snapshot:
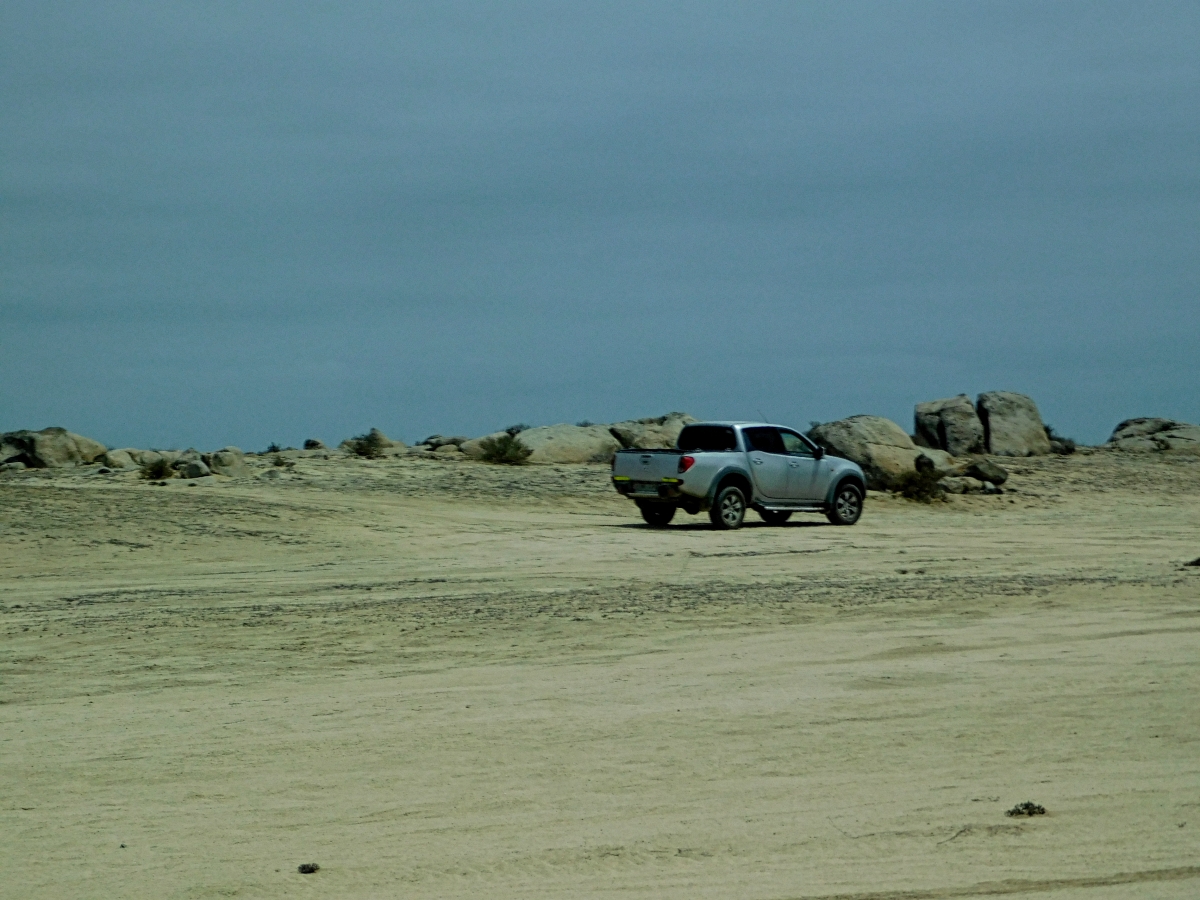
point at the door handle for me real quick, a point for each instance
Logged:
(757, 462)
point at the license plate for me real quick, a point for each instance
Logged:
(643, 487)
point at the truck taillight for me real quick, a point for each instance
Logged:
(685, 463)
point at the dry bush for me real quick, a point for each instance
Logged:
(507, 449)
(369, 446)
(921, 486)
(156, 470)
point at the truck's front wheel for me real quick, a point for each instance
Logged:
(729, 509)
(847, 504)
(657, 515)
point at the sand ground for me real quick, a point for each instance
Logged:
(445, 679)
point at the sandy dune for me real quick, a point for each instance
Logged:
(444, 679)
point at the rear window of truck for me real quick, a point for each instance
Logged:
(707, 438)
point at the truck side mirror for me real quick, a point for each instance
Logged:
(819, 453)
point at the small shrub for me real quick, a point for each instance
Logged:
(586, 423)
(273, 448)
(281, 462)
(369, 446)
(921, 486)
(313, 444)
(1063, 446)
(157, 470)
(507, 449)
(514, 430)
(1028, 808)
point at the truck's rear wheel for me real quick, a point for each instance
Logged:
(729, 509)
(775, 516)
(657, 515)
(847, 504)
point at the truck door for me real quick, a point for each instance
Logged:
(803, 468)
(768, 462)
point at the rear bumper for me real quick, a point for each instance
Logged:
(651, 492)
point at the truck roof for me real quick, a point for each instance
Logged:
(740, 424)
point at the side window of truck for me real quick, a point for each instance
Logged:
(765, 440)
(707, 438)
(794, 444)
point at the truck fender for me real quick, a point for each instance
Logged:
(740, 476)
(842, 479)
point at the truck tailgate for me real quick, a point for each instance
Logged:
(650, 466)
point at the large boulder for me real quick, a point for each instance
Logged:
(50, 448)
(1012, 425)
(1155, 435)
(121, 459)
(148, 457)
(569, 444)
(951, 425)
(961, 485)
(230, 462)
(194, 468)
(986, 470)
(882, 449)
(437, 441)
(659, 433)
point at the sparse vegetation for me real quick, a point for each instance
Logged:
(282, 463)
(369, 446)
(313, 444)
(156, 470)
(514, 430)
(921, 486)
(1063, 446)
(507, 449)
(586, 423)
(1028, 808)
(273, 448)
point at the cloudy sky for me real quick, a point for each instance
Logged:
(253, 222)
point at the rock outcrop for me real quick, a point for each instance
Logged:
(583, 443)
(1012, 425)
(1155, 435)
(474, 447)
(569, 444)
(230, 462)
(952, 425)
(658, 433)
(50, 448)
(881, 448)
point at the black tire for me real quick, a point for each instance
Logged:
(847, 504)
(775, 516)
(657, 515)
(729, 509)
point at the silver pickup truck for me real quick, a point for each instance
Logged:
(725, 467)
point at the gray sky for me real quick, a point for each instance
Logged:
(242, 223)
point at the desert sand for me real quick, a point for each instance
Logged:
(448, 679)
